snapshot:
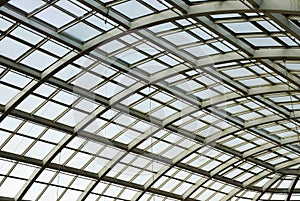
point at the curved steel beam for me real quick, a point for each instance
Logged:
(107, 12)
(83, 93)
(65, 169)
(116, 100)
(289, 7)
(279, 18)
(287, 164)
(225, 34)
(54, 68)
(78, 128)
(197, 185)
(69, 130)
(230, 96)
(154, 19)
(291, 189)
(162, 172)
(34, 84)
(44, 76)
(65, 87)
(230, 57)
(210, 71)
(265, 188)
(52, 154)
(225, 165)
(247, 154)
(248, 125)
(89, 46)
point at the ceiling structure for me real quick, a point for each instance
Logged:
(150, 100)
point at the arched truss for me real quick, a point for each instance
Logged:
(267, 141)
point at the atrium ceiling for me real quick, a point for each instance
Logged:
(149, 100)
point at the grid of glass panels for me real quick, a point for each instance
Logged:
(149, 100)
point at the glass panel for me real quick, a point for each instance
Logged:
(132, 9)
(39, 60)
(11, 48)
(54, 16)
(82, 32)
(27, 6)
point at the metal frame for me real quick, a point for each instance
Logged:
(271, 8)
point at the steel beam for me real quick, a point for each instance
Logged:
(209, 70)
(254, 180)
(267, 186)
(255, 3)
(245, 48)
(279, 18)
(180, 5)
(162, 172)
(226, 35)
(191, 11)
(101, 101)
(260, 54)
(276, 6)
(287, 24)
(2, 2)
(291, 189)
(54, 68)
(57, 167)
(54, 152)
(83, 173)
(222, 167)
(70, 130)
(216, 74)
(153, 19)
(33, 177)
(214, 7)
(106, 12)
(40, 27)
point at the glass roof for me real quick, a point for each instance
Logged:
(150, 100)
